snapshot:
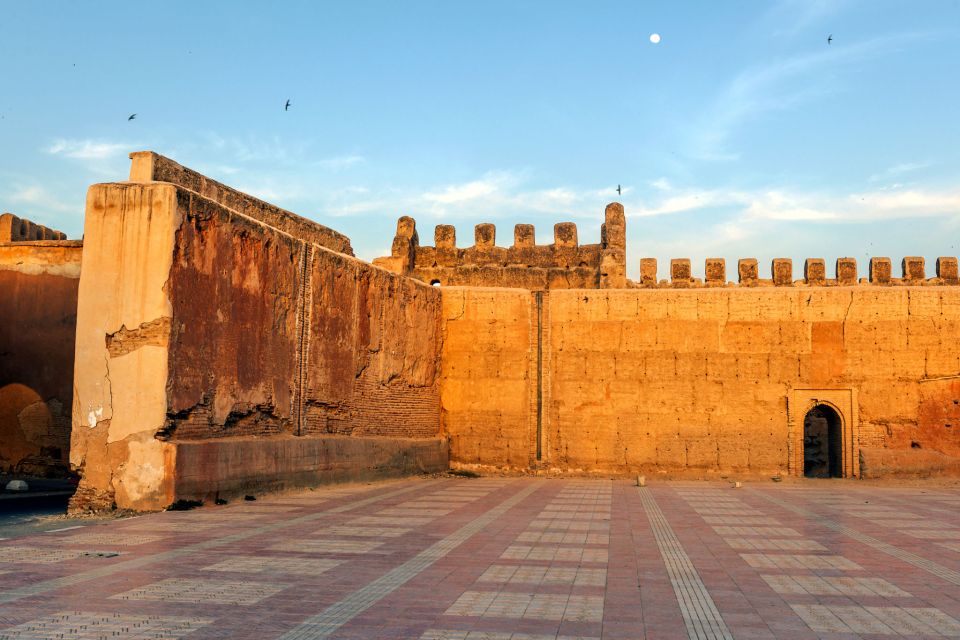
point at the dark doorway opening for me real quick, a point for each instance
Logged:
(822, 443)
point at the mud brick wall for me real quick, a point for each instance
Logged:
(488, 376)
(222, 326)
(700, 380)
(565, 264)
(38, 305)
(147, 166)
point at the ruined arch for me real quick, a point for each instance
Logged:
(25, 425)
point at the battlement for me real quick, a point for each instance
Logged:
(14, 229)
(564, 264)
(913, 270)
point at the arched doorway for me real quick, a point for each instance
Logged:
(822, 443)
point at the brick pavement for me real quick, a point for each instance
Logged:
(505, 558)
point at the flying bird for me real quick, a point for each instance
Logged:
(618, 190)
(286, 107)
(830, 39)
(132, 116)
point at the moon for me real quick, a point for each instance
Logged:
(655, 38)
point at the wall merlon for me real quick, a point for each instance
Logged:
(914, 268)
(747, 272)
(524, 236)
(846, 271)
(648, 272)
(565, 234)
(715, 271)
(613, 233)
(815, 271)
(445, 236)
(680, 273)
(485, 236)
(781, 270)
(881, 270)
(947, 270)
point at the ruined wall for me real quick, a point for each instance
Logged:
(706, 380)
(222, 328)
(565, 264)
(38, 298)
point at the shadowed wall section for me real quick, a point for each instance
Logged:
(222, 355)
(38, 305)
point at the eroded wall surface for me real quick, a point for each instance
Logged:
(198, 323)
(702, 380)
(38, 305)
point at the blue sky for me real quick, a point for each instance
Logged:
(743, 133)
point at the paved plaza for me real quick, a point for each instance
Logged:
(504, 558)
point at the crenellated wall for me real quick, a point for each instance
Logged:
(39, 272)
(14, 229)
(565, 264)
(706, 381)
(913, 270)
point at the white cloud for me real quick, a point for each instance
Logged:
(897, 170)
(341, 162)
(90, 149)
(781, 84)
(37, 200)
(460, 193)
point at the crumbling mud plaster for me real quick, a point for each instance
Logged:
(226, 327)
(38, 302)
(693, 380)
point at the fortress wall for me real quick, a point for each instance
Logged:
(488, 376)
(38, 302)
(565, 264)
(716, 380)
(147, 166)
(230, 356)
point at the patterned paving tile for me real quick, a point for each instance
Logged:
(538, 606)
(430, 504)
(905, 524)
(203, 591)
(330, 545)
(104, 539)
(732, 511)
(559, 537)
(834, 586)
(414, 513)
(385, 521)
(577, 507)
(442, 634)
(565, 554)
(156, 524)
(82, 625)
(934, 534)
(570, 525)
(571, 515)
(799, 561)
(363, 532)
(904, 621)
(262, 564)
(38, 555)
(740, 520)
(756, 531)
(535, 575)
(773, 544)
